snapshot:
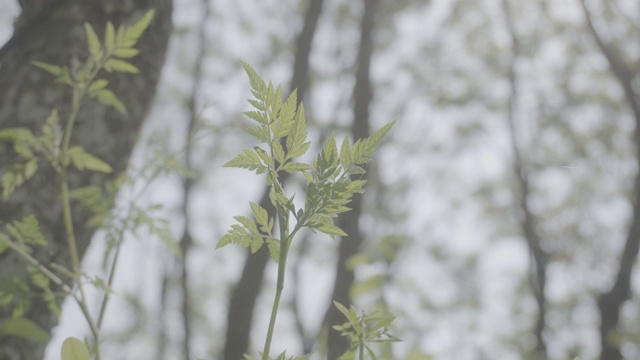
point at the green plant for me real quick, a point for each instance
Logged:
(54, 147)
(330, 181)
(364, 330)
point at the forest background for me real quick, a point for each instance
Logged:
(501, 218)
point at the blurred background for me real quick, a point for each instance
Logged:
(500, 220)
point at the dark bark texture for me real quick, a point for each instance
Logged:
(52, 31)
(243, 298)
(349, 245)
(610, 303)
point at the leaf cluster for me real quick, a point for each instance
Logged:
(47, 146)
(24, 235)
(364, 330)
(109, 55)
(330, 186)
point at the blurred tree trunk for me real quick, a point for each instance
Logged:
(527, 220)
(610, 302)
(349, 246)
(52, 31)
(244, 295)
(186, 242)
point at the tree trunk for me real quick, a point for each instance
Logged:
(244, 295)
(610, 302)
(349, 246)
(52, 31)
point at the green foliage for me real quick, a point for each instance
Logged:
(74, 349)
(23, 233)
(330, 184)
(364, 330)
(24, 328)
(108, 55)
(53, 146)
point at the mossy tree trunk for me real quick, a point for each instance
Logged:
(52, 31)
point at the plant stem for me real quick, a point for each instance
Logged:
(78, 94)
(283, 221)
(361, 338)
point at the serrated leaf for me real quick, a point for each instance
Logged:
(23, 135)
(331, 230)
(257, 83)
(83, 160)
(74, 349)
(274, 102)
(17, 175)
(264, 156)
(247, 223)
(30, 168)
(291, 167)
(296, 144)
(258, 105)
(364, 148)
(261, 216)
(278, 151)
(257, 116)
(65, 77)
(343, 309)
(98, 84)
(108, 98)
(355, 186)
(51, 69)
(274, 248)
(326, 163)
(345, 153)
(356, 170)
(109, 37)
(260, 132)
(286, 117)
(125, 53)
(120, 37)
(92, 40)
(256, 244)
(120, 66)
(24, 328)
(224, 241)
(133, 32)
(299, 150)
(247, 160)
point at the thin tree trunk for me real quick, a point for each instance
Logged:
(52, 31)
(539, 258)
(187, 241)
(349, 246)
(244, 295)
(610, 302)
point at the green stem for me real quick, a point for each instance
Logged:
(48, 273)
(361, 338)
(285, 241)
(78, 94)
